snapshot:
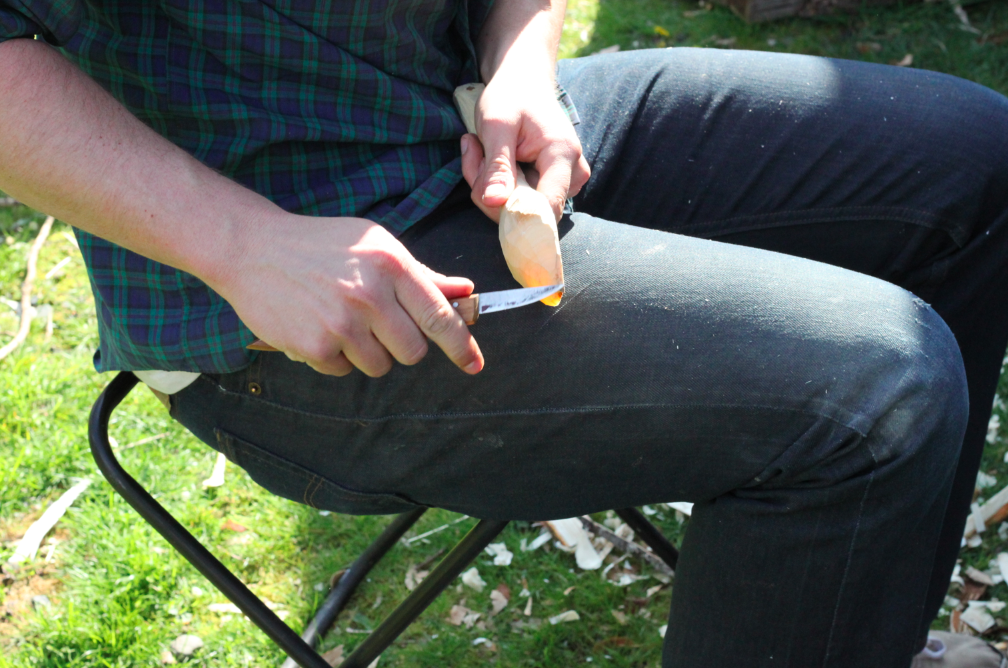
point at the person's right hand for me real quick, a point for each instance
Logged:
(340, 293)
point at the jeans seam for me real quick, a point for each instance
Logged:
(850, 557)
(544, 411)
(852, 213)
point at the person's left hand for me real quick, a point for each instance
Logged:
(519, 120)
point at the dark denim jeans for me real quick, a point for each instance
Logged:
(813, 412)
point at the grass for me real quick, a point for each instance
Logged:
(120, 594)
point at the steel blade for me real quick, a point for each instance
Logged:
(505, 299)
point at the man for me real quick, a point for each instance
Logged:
(814, 414)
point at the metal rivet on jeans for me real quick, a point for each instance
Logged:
(255, 389)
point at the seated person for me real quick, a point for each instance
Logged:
(785, 283)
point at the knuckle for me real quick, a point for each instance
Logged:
(378, 368)
(414, 353)
(437, 319)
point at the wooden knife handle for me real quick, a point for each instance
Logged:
(467, 307)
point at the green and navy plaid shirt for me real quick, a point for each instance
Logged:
(339, 108)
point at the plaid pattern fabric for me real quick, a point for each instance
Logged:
(326, 108)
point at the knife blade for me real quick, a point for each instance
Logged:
(475, 305)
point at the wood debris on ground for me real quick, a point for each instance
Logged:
(186, 645)
(26, 289)
(565, 616)
(538, 542)
(414, 577)
(30, 542)
(499, 599)
(471, 578)
(460, 615)
(622, 540)
(572, 534)
(905, 61)
(502, 556)
(216, 478)
(528, 608)
(988, 514)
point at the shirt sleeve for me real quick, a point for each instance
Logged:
(56, 21)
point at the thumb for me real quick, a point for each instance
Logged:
(498, 178)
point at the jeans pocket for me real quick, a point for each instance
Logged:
(292, 481)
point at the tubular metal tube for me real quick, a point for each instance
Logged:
(354, 575)
(650, 534)
(176, 534)
(442, 575)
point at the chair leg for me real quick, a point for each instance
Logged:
(176, 534)
(443, 574)
(650, 534)
(344, 589)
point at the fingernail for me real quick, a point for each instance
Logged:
(474, 366)
(465, 144)
(494, 190)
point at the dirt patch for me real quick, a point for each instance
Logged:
(20, 586)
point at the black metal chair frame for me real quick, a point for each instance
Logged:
(300, 649)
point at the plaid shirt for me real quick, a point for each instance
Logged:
(326, 108)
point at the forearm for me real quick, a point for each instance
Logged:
(521, 33)
(70, 149)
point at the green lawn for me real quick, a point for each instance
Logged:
(119, 594)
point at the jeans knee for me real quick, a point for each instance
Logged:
(923, 402)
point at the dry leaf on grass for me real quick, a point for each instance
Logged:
(334, 657)
(906, 61)
(620, 617)
(231, 525)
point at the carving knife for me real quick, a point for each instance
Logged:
(475, 305)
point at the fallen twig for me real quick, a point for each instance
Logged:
(627, 546)
(142, 441)
(408, 541)
(26, 288)
(29, 545)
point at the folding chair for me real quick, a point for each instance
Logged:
(300, 650)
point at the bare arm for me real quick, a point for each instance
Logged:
(333, 291)
(518, 117)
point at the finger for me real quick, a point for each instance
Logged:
(452, 287)
(397, 332)
(367, 354)
(472, 167)
(338, 365)
(439, 321)
(554, 181)
(497, 182)
(579, 176)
